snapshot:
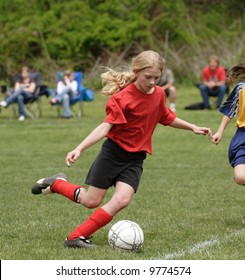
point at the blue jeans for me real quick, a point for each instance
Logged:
(218, 91)
(65, 97)
(19, 96)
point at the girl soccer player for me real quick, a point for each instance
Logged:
(234, 106)
(136, 106)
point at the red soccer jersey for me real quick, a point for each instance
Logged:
(135, 116)
(214, 75)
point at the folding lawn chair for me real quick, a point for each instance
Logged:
(35, 100)
(84, 94)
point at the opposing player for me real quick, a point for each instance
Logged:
(136, 106)
(233, 107)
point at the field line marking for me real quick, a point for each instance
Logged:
(199, 246)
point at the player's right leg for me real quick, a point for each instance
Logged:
(79, 237)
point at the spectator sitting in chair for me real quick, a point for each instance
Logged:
(214, 82)
(166, 82)
(23, 90)
(66, 92)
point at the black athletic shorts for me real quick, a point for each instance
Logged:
(115, 164)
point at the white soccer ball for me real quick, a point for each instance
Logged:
(126, 235)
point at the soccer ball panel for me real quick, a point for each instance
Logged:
(127, 235)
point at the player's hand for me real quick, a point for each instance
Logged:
(72, 157)
(216, 138)
(202, 131)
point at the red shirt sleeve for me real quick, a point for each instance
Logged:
(168, 117)
(114, 112)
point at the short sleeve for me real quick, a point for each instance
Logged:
(167, 118)
(230, 106)
(114, 112)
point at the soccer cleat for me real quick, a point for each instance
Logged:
(80, 242)
(43, 185)
(243, 221)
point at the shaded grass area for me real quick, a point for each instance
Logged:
(187, 204)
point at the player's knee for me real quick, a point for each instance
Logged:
(91, 204)
(239, 179)
(122, 202)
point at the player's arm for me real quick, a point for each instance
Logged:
(181, 124)
(95, 136)
(216, 138)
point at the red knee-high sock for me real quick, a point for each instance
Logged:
(65, 188)
(97, 220)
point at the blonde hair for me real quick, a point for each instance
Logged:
(114, 81)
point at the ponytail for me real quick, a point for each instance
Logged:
(114, 81)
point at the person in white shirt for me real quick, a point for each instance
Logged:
(66, 91)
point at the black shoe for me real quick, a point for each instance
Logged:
(43, 185)
(80, 242)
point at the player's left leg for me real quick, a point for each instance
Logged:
(101, 217)
(58, 184)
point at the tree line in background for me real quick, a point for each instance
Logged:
(53, 35)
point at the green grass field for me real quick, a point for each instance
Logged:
(187, 205)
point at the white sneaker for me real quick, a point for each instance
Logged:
(3, 103)
(21, 118)
(172, 107)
